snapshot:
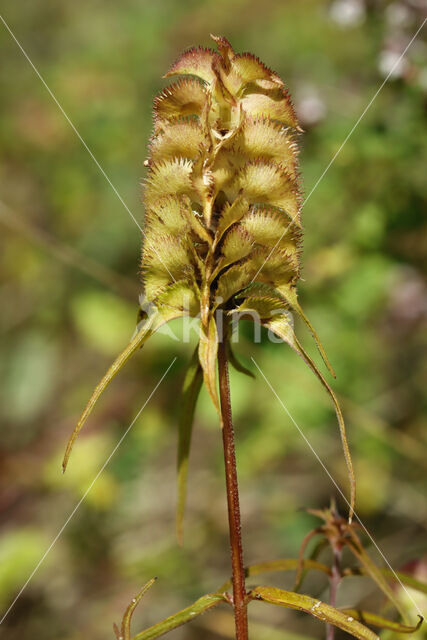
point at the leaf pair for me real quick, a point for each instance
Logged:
(350, 620)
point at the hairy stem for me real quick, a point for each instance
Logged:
(238, 572)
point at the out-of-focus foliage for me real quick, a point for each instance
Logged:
(69, 286)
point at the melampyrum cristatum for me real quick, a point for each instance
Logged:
(222, 212)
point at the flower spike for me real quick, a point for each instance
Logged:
(223, 225)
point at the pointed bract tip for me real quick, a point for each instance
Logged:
(216, 39)
(223, 45)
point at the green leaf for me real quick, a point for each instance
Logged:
(150, 326)
(208, 350)
(281, 325)
(190, 392)
(127, 618)
(316, 608)
(383, 623)
(186, 615)
(373, 571)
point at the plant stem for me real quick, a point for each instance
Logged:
(238, 572)
(334, 581)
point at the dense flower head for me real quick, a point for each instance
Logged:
(222, 195)
(222, 200)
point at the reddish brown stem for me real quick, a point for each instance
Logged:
(238, 572)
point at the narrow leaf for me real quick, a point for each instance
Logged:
(186, 615)
(127, 618)
(366, 617)
(137, 341)
(282, 327)
(190, 392)
(290, 294)
(208, 349)
(316, 608)
(373, 571)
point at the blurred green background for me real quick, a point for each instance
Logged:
(69, 288)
